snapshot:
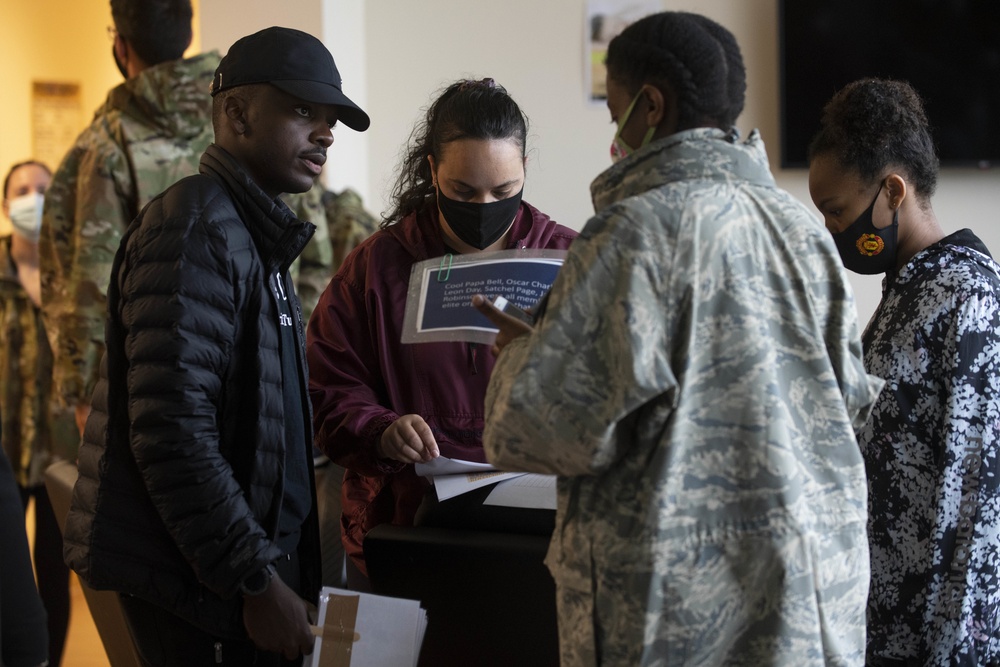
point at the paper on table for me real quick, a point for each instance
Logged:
(529, 490)
(365, 630)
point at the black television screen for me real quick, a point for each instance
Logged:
(949, 51)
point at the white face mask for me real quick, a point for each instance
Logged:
(26, 215)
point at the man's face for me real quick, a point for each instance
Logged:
(285, 140)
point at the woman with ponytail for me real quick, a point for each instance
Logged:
(380, 406)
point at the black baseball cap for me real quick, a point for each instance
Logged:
(294, 61)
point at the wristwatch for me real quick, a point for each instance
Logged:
(258, 582)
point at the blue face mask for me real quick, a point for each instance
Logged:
(866, 249)
(620, 149)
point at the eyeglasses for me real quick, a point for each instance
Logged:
(112, 33)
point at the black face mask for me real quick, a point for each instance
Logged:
(479, 225)
(118, 63)
(866, 249)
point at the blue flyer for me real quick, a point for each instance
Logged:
(439, 303)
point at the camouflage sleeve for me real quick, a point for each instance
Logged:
(84, 218)
(314, 267)
(350, 223)
(605, 335)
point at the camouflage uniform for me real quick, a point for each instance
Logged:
(696, 383)
(150, 133)
(350, 223)
(313, 269)
(33, 433)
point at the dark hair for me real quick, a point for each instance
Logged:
(873, 124)
(157, 30)
(26, 163)
(689, 54)
(465, 110)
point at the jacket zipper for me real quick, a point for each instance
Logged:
(471, 347)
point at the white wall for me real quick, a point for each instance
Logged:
(225, 21)
(535, 49)
(344, 35)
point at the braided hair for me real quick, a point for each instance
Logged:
(686, 53)
(466, 109)
(873, 124)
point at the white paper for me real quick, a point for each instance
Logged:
(442, 465)
(390, 631)
(529, 491)
(449, 486)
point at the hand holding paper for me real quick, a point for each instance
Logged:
(408, 439)
(277, 620)
(365, 630)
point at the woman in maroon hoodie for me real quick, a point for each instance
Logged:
(381, 406)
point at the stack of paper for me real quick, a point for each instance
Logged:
(453, 477)
(365, 630)
(531, 491)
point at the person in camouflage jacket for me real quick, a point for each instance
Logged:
(150, 132)
(35, 432)
(696, 383)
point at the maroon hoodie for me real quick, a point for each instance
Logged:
(361, 378)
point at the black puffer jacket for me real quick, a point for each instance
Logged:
(182, 463)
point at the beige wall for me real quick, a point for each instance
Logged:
(53, 40)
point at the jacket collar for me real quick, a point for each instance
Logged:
(962, 243)
(699, 154)
(278, 235)
(170, 96)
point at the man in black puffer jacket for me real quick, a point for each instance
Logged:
(196, 499)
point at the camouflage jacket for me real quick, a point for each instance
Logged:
(349, 222)
(150, 132)
(313, 269)
(696, 383)
(34, 432)
(341, 223)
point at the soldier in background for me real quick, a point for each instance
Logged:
(35, 432)
(350, 223)
(150, 132)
